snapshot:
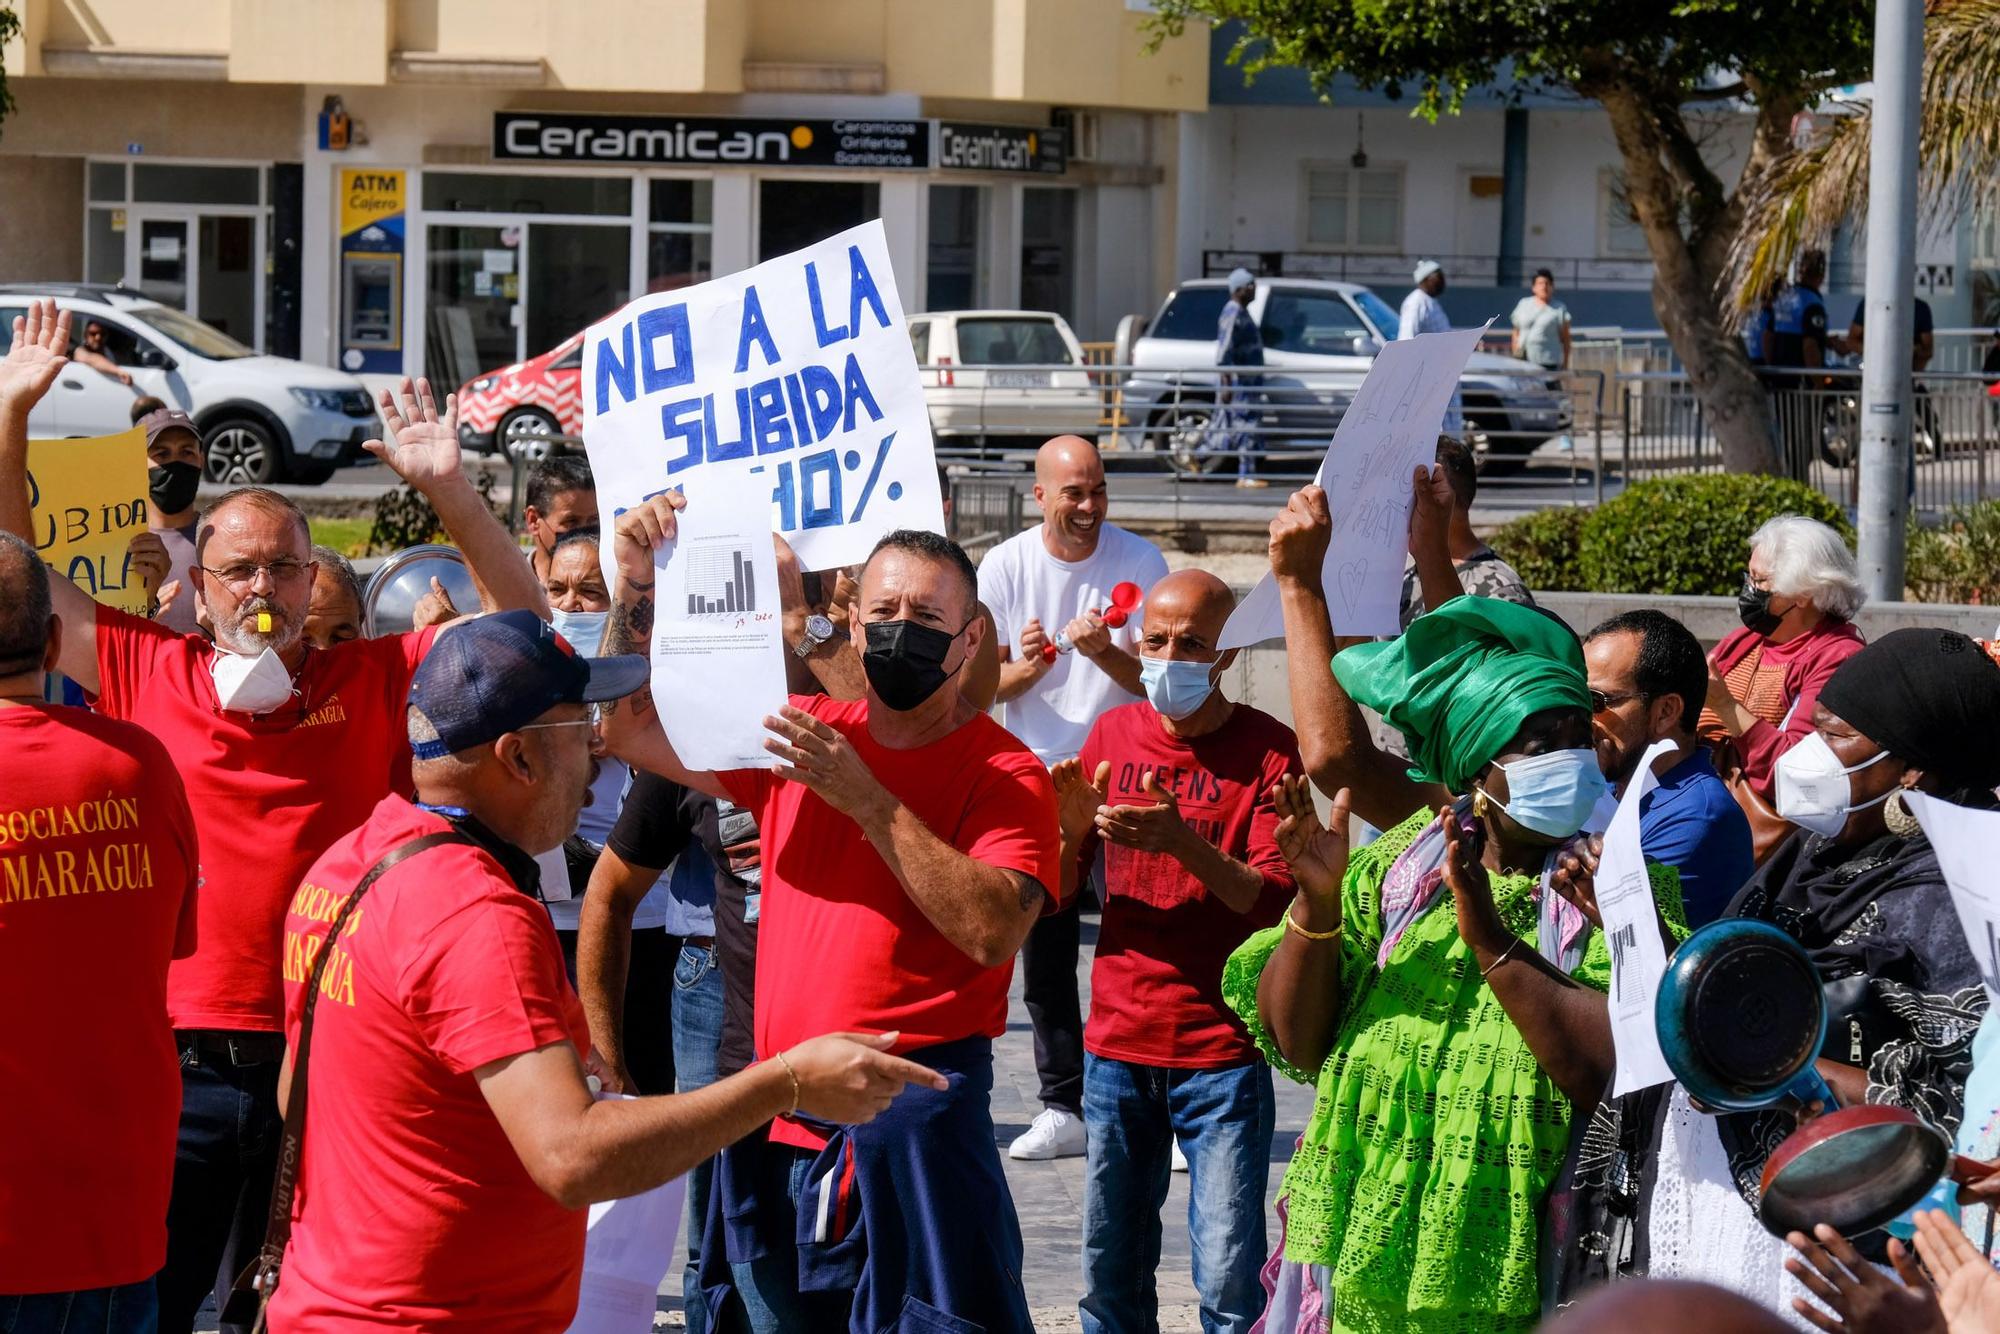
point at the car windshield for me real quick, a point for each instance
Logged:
(1300, 320)
(204, 340)
(1192, 313)
(1011, 342)
(1379, 313)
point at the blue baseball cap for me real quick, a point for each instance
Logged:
(496, 674)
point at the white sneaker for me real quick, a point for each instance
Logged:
(1055, 1134)
(1180, 1159)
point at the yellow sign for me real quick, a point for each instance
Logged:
(88, 499)
(368, 195)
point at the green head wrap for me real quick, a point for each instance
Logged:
(1461, 680)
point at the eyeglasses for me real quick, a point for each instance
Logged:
(1751, 584)
(589, 720)
(1600, 702)
(244, 573)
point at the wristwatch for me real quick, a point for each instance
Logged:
(818, 630)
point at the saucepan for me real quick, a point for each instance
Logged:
(404, 578)
(1741, 1017)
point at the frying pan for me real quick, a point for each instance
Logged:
(404, 578)
(1741, 1016)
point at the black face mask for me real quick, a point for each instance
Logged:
(172, 486)
(1753, 604)
(905, 661)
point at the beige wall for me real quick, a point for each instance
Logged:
(142, 25)
(285, 41)
(101, 116)
(41, 229)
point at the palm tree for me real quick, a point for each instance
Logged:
(1804, 195)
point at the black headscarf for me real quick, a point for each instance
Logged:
(1931, 697)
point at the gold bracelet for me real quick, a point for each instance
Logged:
(795, 1082)
(1502, 958)
(1291, 925)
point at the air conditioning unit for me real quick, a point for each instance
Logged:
(1080, 129)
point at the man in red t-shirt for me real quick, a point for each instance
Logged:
(97, 892)
(909, 844)
(281, 747)
(449, 1139)
(1176, 790)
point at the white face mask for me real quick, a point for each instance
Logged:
(1815, 788)
(244, 684)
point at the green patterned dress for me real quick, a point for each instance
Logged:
(1435, 1134)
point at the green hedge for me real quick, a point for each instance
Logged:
(1958, 561)
(1542, 546)
(1670, 535)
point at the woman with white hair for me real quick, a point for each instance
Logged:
(1800, 594)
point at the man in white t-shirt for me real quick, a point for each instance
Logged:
(1423, 313)
(1050, 585)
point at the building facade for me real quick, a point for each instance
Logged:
(445, 186)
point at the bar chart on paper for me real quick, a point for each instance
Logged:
(720, 581)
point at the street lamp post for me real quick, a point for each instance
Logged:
(1890, 296)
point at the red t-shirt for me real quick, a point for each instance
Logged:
(97, 879)
(841, 946)
(1156, 984)
(413, 1209)
(269, 793)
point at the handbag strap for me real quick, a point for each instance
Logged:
(284, 1186)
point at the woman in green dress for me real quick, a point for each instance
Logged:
(1445, 1002)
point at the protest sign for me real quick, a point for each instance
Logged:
(88, 498)
(1632, 928)
(1386, 432)
(794, 379)
(1967, 843)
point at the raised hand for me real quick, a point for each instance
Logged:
(37, 356)
(1034, 646)
(434, 607)
(1968, 1284)
(1155, 828)
(1863, 1299)
(1088, 634)
(1316, 853)
(1479, 923)
(1575, 876)
(423, 443)
(1300, 534)
(146, 557)
(849, 1078)
(1430, 510)
(1077, 797)
(818, 756)
(642, 530)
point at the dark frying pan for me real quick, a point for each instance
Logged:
(1741, 1016)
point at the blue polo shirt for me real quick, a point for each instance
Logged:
(1691, 823)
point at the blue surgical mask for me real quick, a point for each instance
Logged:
(583, 629)
(1176, 686)
(1553, 793)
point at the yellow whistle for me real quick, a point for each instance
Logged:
(263, 622)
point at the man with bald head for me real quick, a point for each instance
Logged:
(282, 747)
(1046, 588)
(1176, 789)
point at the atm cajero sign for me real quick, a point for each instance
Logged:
(575, 137)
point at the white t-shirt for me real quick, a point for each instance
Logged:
(1019, 581)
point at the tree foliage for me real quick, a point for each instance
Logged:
(1653, 67)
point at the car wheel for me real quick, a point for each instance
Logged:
(243, 452)
(1182, 432)
(1839, 442)
(534, 426)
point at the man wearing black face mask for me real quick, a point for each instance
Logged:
(910, 844)
(173, 473)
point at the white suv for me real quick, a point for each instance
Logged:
(264, 419)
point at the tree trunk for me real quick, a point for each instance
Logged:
(1685, 278)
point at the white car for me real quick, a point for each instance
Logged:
(262, 419)
(1003, 376)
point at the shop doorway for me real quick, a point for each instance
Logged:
(794, 214)
(1048, 250)
(203, 263)
(955, 259)
(501, 292)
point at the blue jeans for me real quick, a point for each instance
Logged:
(131, 1308)
(223, 1165)
(1131, 1116)
(697, 1013)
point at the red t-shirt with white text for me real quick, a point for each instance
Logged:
(97, 891)
(413, 1209)
(1156, 984)
(841, 945)
(270, 793)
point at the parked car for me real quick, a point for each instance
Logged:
(1332, 330)
(1002, 377)
(263, 419)
(539, 396)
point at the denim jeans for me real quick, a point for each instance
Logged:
(228, 1151)
(1131, 1115)
(697, 1009)
(130, 1308)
